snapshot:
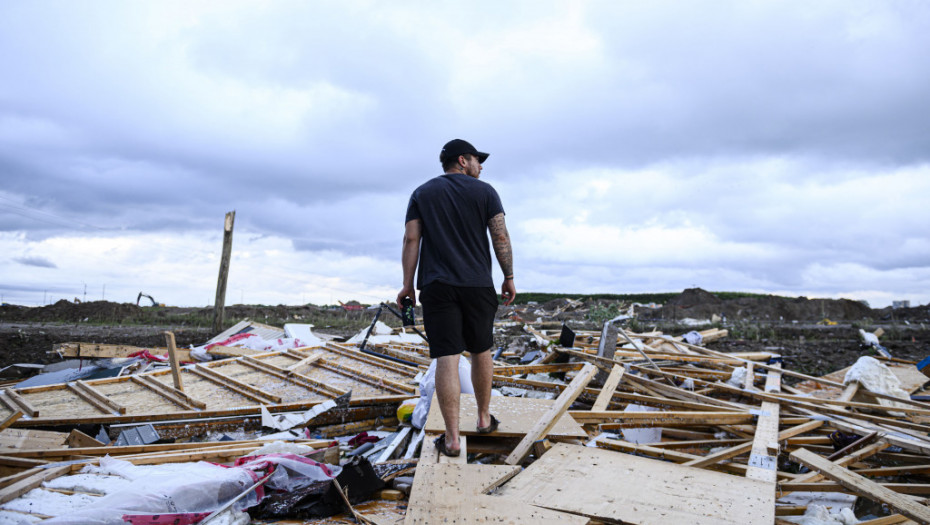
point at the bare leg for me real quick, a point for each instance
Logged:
(482, 372)
(448, 391)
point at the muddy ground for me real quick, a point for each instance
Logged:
(776, 324)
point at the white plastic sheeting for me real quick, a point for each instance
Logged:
(192, 487)
(428, 386)
(384, 334)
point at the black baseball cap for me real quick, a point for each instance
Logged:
(457, 147)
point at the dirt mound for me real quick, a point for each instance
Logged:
(699, 304)
(916, 314)
(694, 297)
(68, 312)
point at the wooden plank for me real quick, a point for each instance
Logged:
(63, 453)
(517, 416)
(900, 423)
(855, 404)
(78, 439)
(97, 350)
(849, 392)
(294, 377)
(863, 486)
(666, 403)
(395, 444)
(20, 403)
(21, 438)
(175, 396)
(916, 489)
(749, 380)
(220, 303)
(451, 493)
(21, 463)
(558, 409)
(89, 399)
(662, 418)
(684, 395)
(894, 519)
(173, 360)
(603, 399)
(238, 387)
(514, 370)
(232, 351)
(414, 443)
(353, 353)
(12, 418)
(849, 459)
(664, 453)
(90, 392)
(365, 377)
(721, 455)
(23, 486)
(763, 458)
(604, 485)
(306, 361)
(895, 471)
(854, 446)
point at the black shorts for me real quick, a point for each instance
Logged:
(458, 318)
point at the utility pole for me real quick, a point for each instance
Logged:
(220, 302)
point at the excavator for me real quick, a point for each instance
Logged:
(141, 295)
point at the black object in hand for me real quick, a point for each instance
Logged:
(407, 311)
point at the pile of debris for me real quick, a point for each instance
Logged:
(263, 423)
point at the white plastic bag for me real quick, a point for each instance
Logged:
(428, 386)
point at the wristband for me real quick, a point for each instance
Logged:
(510, 278)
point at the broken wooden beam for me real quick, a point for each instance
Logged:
(863, 486)
(545, 424)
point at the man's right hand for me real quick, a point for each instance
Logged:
(508, 292)
(407, 291)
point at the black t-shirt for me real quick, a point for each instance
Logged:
(454, 210)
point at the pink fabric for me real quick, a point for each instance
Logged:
(183, 518)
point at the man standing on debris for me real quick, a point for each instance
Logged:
(446, 228)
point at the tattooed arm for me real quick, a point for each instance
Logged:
(500, 239)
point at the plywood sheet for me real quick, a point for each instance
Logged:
(911, 378)
(17, 438)
(450, 493)
(516, 414)
(606, 484)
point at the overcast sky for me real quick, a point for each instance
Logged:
(759, 146)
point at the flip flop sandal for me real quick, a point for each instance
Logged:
(490, 428)
(443, 449)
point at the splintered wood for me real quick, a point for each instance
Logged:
(639, 429)
(683, 434)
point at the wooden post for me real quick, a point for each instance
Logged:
(220, 302)
(173, 359)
